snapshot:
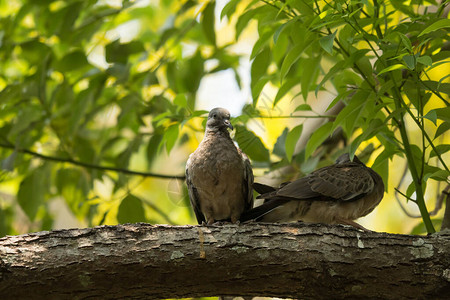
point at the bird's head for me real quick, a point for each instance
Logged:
(345, 158)
(218, 120)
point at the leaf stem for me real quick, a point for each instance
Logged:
(420, 200)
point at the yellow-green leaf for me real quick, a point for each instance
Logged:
(391, 68)
(326, 42)
(131, 210)
(444, 23)
(317, 138)
(251, 144)
(291, 140)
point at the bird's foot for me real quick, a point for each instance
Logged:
(219, 223)
(354, 224)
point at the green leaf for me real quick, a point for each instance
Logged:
(411, 189)
(432, 116)
(317, 138)
(440, 175)
(443, 113)
(243, 21)
(7, 163)
(180, 100)
(131, 210)
(261, 43)
(285, 88)
(186, 6)
(375, 126)
(72, 61)
(410, 61)
(208, 22)
(280, 145)
(420, 228)
(443, 23)
(259, 65)
(251, 144)
(257, 88)
(326, 42)
(441, 55)
(26, 117)
(346, 36)
(229, 9)
(363, 63)
(170, 136)
(425, 60)
(84, 150)
(192, 73)
(441, 87)
(417, 153)
(280, 29)
(123, 160)
(32, 190)
(444, 127)
(310, 71)
(338, 67)
(405, 40)
(292, 56)
(292, 139)
(69, 15)
(117, 52)
(303, 107)
(381, 166)
(73, 185)
(129, 117)
(120, 71)
(391, 68)
(35, 51)
(153, 147)
(350, 115)
(6, 220)
(166, 35)
(439, 150)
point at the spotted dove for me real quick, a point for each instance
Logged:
(336, 194)
(219, 176)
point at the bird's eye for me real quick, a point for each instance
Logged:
(214, 116)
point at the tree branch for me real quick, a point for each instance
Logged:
(136, 261)
(89, 165)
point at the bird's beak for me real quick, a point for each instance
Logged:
(228, 124)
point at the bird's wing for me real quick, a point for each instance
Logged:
(342, 182)
(247, 188)
(194, 197)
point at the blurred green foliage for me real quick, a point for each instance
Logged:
(79, 102)
(375, 56)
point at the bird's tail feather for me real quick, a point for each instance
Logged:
(258, 212)
(263, 188)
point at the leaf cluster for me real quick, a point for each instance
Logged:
(375, 57)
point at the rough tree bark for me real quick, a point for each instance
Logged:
(291, 260)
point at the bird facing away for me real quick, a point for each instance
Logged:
(336, 194)
(219, 176)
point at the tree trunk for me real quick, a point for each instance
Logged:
(287, 260)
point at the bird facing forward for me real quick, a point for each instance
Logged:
(219, 176)
(336, 194)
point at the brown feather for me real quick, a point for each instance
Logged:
(219, 176)
(338, 193)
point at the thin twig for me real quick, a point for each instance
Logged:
(301, 116)
(397, 192)
(89, 165)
